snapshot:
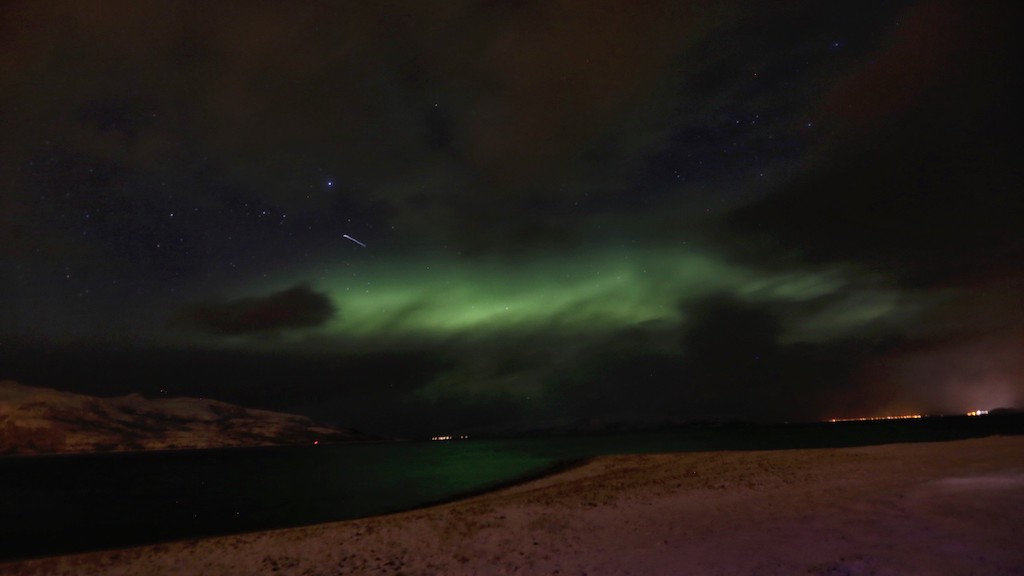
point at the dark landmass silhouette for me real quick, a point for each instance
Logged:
(46, 421)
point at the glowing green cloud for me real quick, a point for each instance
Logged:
(598, 290)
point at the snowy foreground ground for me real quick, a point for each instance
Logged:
(930, 509)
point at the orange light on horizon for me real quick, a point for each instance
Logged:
(869, 418)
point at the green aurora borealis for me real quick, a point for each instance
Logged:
(422, 218)
(603, 290)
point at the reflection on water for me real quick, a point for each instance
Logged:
(62, 504)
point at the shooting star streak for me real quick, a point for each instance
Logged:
(346, 236)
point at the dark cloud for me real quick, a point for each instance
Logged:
(373, 391)
(293, 308)
(484, 124)
(490, 127)
(152, 154)
(725, 359)
(736, 358)
(917, 183)
(919, 178)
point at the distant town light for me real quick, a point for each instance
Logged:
(867, 418)
(445, 438)
(977, 413)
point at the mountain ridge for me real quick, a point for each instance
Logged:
(36, 420)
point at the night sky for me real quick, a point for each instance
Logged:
(460, 216)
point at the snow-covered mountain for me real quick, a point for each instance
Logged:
(43, 421)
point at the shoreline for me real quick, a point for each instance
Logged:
(724, 512)
(553, 470)
(157, 451)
